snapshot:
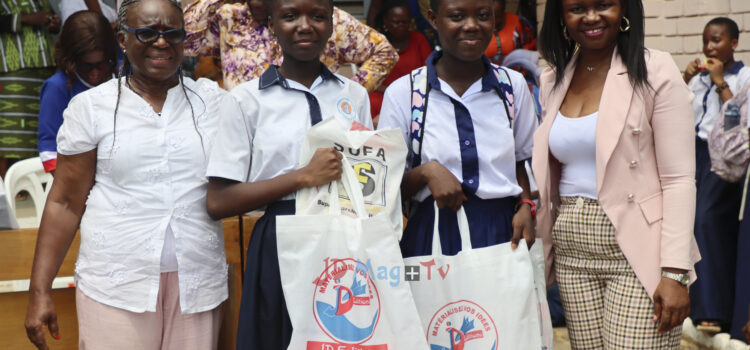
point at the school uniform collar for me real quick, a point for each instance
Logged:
(489, 80)
(733, 69)
(272, 76)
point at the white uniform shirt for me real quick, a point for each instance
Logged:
(150, 179)
(498, 146)
(706, 103)
(263, 141)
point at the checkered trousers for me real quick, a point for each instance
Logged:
(606, 307)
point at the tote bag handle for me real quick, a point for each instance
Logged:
(352, 187)
(463, 229)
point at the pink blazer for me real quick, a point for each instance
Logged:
(645, 166)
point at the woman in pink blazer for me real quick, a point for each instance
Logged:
(614, 160)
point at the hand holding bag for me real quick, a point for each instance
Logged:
(342, 278)
(378, 158)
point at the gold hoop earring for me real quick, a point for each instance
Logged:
(565, 33)
(627, 25)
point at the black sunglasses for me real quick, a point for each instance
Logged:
(84, 67)
(148, 36)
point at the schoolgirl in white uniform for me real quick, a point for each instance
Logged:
(718, 201)
(254, 160)
(476, 133)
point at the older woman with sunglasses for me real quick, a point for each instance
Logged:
(85, 56)
(151, 271)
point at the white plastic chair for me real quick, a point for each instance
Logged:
(7, 216)
(28, 175)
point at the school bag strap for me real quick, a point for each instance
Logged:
(505, 91)
(420, 90)
(728, 140)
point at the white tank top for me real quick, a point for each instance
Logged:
(573, 142)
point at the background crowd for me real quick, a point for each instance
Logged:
(48, 58)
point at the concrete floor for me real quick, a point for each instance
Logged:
(562, 342)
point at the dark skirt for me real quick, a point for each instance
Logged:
(716, 227)
(264, 322)
(742, 289)
(490, 223)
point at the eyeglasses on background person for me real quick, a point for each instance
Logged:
(148, 36)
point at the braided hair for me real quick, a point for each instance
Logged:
(125, 71)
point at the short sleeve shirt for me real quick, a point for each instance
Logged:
(149, 176)
(264, 140)
(707, 103)
(498, 144)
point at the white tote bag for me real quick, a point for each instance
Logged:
(378, 158)
(342, 279)
(536, 253)
(481, 298)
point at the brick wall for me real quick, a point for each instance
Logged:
(676, 26)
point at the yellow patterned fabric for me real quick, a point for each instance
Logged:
(246, 48)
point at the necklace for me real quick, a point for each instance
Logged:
(596, 66)
(127, 81)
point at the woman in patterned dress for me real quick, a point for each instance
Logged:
(26, 60)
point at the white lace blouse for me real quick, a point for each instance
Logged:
(149, 176)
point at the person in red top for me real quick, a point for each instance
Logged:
(511, 32)
(413, 48)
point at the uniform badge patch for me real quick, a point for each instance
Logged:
(346, 108)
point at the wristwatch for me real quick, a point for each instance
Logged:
(681, 278)
(721, 87)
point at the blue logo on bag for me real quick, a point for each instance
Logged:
(346, 303)
(462, 325)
